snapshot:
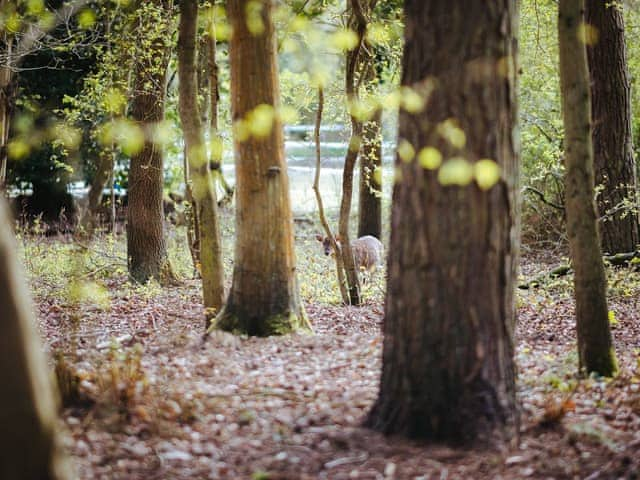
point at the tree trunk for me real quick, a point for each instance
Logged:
(370, 205)
(595, 349)
(370, 195)
(6, 78)
(448, 372)
(146, 243)
(215, 155)
(29, 449)
(264, 297)
(202, 186)
(614, 164)
(89, 218)
(359, 17)
(342, 281)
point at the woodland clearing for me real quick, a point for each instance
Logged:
(147, 398)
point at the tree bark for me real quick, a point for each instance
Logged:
(6, 84)
(595, 348)
(203, 190)
(89, 219)
(615, 167)
(146, 243)
(370, 204)
(29, 448)
(264, 297)
(448, 371)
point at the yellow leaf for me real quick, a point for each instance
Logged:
(13, 23)
(455, 171)
(377, 34)
(288, 114)
(260, 121)
(255, 24)
(411, 100)
(114, 101)
(18, 149)
(452, 133)
(588, 34)
(487, 173)
(406, 151)
(69, 137)
(344, 39)
(430, 158)
(35, 7)
(86, 18)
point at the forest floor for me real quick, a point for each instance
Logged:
(146, 398)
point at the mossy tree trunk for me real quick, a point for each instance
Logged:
(264, 297)
(595, 349)
(29, 448)
(204, 195)
(146, 243)
(615, 167)
(448, 372)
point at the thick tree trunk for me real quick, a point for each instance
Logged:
(614, 164)
(370, 204)
(202, 185)
(29, 449)
(264, 297)
(146, 243)
(448, 370)
(595, 349)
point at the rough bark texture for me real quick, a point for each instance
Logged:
(614, 163)
(370, 204)
(146, 243)
(28, 412)
(204, 195)
(448, 370)
(594, 337)
(264, 297)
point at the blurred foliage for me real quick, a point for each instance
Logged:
(74, 91)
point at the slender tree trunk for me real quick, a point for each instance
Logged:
(595, 349)
(6, 78)
(370, 195)
(370, 204)
(342, 281)
(29, 449)
(264, 297)
(359, 17)
(103, 174)
(202, 185)
(615, 167)
(215, 155)
(448, 371)
(146, 243)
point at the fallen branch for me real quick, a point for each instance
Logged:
(617, 260)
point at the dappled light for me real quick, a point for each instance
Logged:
(319, 239)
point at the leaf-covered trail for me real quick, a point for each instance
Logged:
(291, 407)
